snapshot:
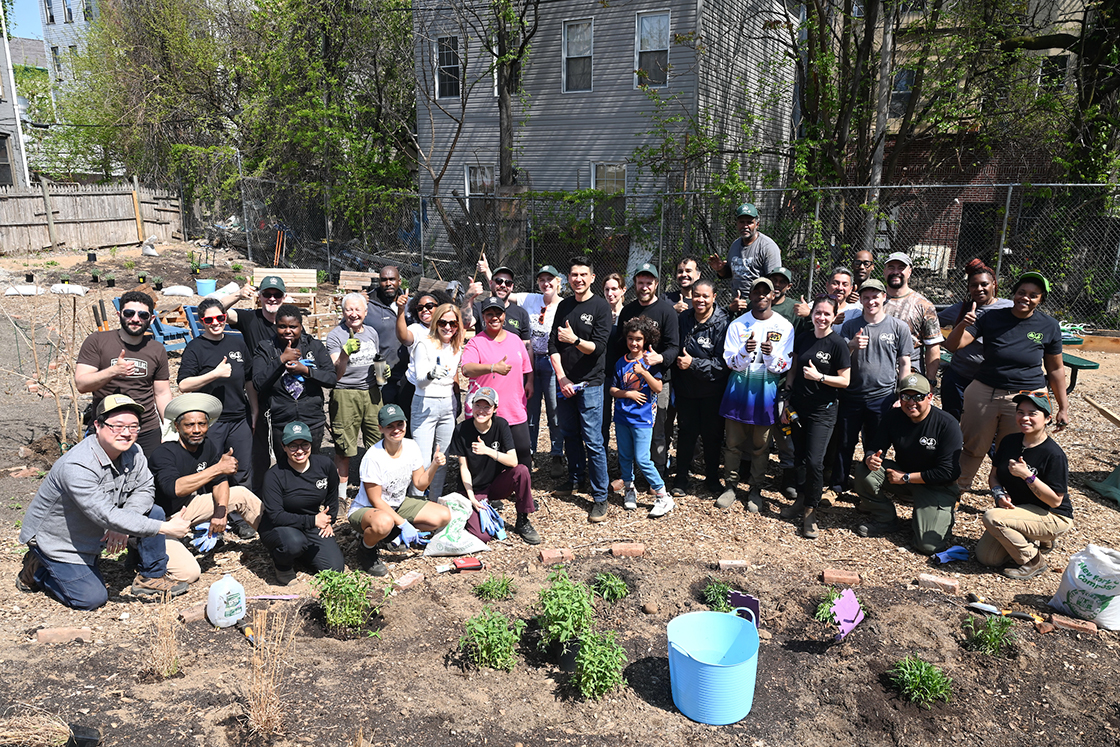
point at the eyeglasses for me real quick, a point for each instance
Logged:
(864, 262)
(298, 446)
(272, 296)
(908, 397)
(217, 319)
(122, 428)
(142, 315)
(426, 306)
(503, 281)
(445, 323)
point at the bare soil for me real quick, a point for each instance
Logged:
(411, 687)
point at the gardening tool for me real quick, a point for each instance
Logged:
(977, 602)
(246, 629)
(713, 662)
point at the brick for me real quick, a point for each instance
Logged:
(557, 555)
(628, 549)
(1077, 626)
(733, 565)
(1044, 627)
(64, 635)
(32, 387)
(835, 576)
(26, 472)
(409, 580)
(52, 366)
(194, 613)
(947, 585)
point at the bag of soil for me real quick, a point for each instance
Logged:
(454, 539)
(1090, 587)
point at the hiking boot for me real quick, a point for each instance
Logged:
(158, 587)
(558, 469)
(755, 501)
(663, 505)
(789, 484)
(25, 581)
(809, 528)
(241, 527)
(877, 528)
(679, 491)
(584, 485)
(369, 560)
(598, 512)
(727, 497)
(284, 576)
(630, 499)
(566, 488)
(1030, 569)
(524, 528)
(797, 508)
(1047, 545)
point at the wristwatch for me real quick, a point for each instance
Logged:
(905, 477)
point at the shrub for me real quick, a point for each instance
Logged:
(990, 635)
(599, 664)
(491, 638)
(715, 595)
(921, 682)
(495, 589)
(824, 611)
(566, 609)
(344, 596)
(610, 587)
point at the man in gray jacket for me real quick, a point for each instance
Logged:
(95, 497)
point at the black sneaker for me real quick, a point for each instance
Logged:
(598, 512)
(679, 491)
(876, 528)
(241, 527)
(369, 560)
(497, 505)
(557, 469)
(565, 489)
(25, 581)
(524, 528)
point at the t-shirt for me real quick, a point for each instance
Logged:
(517, 320)
(1014, 349)
(359, 370)
(1051, 464)
(875, 370)
(932, 446)
(752, 388)
(511, 387)
(384, 320)
(255, 328)
(966, 361)
(393, 475)
(786, 309)
(419, 332)
(665, 318)
(921, 316)
(830, 356)
(540, 320)
(171, 460)
(292, 499)
(149, 359)
(590, 320)
(202, 355)
(758, 259)
(626, 410)
(484, 469)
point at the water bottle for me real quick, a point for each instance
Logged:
(225, 604)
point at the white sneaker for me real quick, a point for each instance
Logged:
(630, 500)
(663, 505)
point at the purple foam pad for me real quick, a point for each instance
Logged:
(739, 599)
(848, 613)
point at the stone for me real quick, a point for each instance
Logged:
(628, 549)
(947, 585)
(408, 580)
(64, 635)
(1044, 627)
(650, 608)
(28, 472)
(835, 576)
(1077, 626)
(556, 555)
(733, 565)
(765, 635)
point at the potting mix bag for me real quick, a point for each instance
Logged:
(454, 539)
(1091, 586)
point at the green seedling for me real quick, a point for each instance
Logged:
(50, 263)
(715, 595)
(599, 664)
(824, 611)
(237, 267)
(239, 278)
(15, 506)
(130, 264)
(157, 279)
(610, 587)
(491, 639)
(993, 635)
(113, 251)
(345, 597)
(920, 682)
(566, 609)
(495, 589)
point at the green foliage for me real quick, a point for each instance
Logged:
(130, 264)
(113, 252)
(599, 664)
(491, 639)
(495, 589)
(322, 276)
(610, 587)
(824, 611)
(50, 263)
(993, 635)
(920, 682)
(345, 597)
(566, 610)
(110, 276)
(715, 595)
(237, 267)
(157, 279)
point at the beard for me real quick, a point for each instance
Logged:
(125, 325)
(896, 280)
(387, 295)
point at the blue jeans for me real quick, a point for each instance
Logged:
(544, 387)
(581, 421)
(80, 586)
(433, 422)
(634, 448)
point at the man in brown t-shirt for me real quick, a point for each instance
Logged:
(125, 361)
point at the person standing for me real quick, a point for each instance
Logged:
(864, 264)
(919, 314)
(688, 273)
(758, 349)
(577, 347)
(433, 407)
(420, 307)
(614, 290)
(751, 256)
(381, 314)
(785, 307)
(501, 286)
(782, 304)
(127, 361)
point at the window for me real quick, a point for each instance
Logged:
(652, 49)
(56, 60)
(5, 162)
(49, 7)
(480, 180)
(578, 41)
(900, 94)
(67, 11)
(1052, 73)
(912, 6)
(610, 178)
(87, 10)
(448, 67)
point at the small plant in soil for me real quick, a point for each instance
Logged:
(237, 267)
(920, 682)
(344, 597)
(50, 263)
(610, 587)
(113, 252)
(495, 589)
(64, 279)
(95, 275)
(110, 280)
(716, 593)
(599, 664)
(157, 281)
(142, 277)
(566, 610)
(491, 639)
(824, 611)
(993, 636)
(239, 278)
(322, 276)
(130, 264)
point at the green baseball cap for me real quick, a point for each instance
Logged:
(390, 414)
(1035, 277)
(296, 431)
(746, 209)
(550, 270)
(1038, 400)
(914, 383)
(783, 271)
(645, 268)
(272, 282)
(874, 285)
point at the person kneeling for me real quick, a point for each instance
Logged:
(299, 506)
(488, 462)
(381, 509)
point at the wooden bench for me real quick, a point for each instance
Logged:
(1073, 362)
(350, 281)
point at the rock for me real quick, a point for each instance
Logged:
(1077, 626)
(64, 635)
(732, 565)
(765, 635)
(409, 579)
(194, 613)
(556, 555)
(947, 585)
(650, 608)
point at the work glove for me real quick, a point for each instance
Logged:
(440, 371)
(352, 345)
(496, 521)
(956, 552)
(203, 541)
(409, 536)
(486, 520)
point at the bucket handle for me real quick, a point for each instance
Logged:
(749, 611)
(682, 652)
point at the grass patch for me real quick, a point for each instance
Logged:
(993, 635)
(491, 638)
(610, 587)
(920, 682)
(495, 589)
(599, 664)
(716, 593)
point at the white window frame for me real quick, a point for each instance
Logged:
(56, 61)
(48, 6)
(625, 182)
(564, 55)
(638, 46)
(467, 180)
(67, 11)
(439, 68)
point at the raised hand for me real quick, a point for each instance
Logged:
(323, 523)
(227, 465)
(739, 304)
(478, 447)
(862, 340)
(502, 367)
(751, 344)
(123, 366)
(438, 458)
(716, 262)
(290, 354)
(801, 308)
(651, 357)
(223, 370)
(565, 334)
(970, 315)
(684, 360)
(402, 301)
(766, 347)
(1019, 468)
(874, 461)
(810, 372)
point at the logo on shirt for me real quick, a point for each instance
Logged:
(321, 484)
(588, 319)
(515, 323)
(201, 467)
(823, 356)
(1035, 337)
(773, 336)
(928, 441)
(235, 355)
(139, 367)
(704, 341)
(890, 337)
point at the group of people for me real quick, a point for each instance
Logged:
(810, 379)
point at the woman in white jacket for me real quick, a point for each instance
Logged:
(433, 407)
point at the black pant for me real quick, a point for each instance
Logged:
(698, 418)
(236, 435)
(405, 393)
(278, 442)
(858, 418)
(810, 441)
(659, 449)
(523, 444)
(286, 545)
(262, 452)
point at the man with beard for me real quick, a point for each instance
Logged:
(864, 265)
(688, 272)
(751, 256)
(381, 314)
(127, 361)
(838, 287)
(501, 285)
(916, 310)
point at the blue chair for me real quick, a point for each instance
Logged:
(196, 325)
(168, 335)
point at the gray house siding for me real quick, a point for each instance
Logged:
(61, 35)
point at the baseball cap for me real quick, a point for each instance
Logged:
(271, 282)
(296, 431)
(1035, 277)
(784, 272)
(119, 402)
(746, 209)
(1038, 400)
(486, 393)
(872, 284)
(493, 302)
(549, 269)
(762, 281)
(645, 268)
(390, 414)
(914, 383)
(504, 269)
(900, 257)
(193, 402)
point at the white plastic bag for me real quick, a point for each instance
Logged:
(66, 289)
(454, 539)
(24, 290)
(1090, 587)
(226, 290)
(178, 290)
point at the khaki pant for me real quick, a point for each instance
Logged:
(181, 564)
(737, 436)
(934, 505)
(989, 415)
(1012, 532)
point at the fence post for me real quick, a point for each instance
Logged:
(420, 222)
(50, 213)
(244, 208)
(136, 206)
(661, 238)
(327, 226)
(1003, 233)
(813, 243)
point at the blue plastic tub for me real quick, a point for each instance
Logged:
(713, 660)
(206, 287)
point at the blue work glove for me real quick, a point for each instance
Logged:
(497, 522)
(956, 552)
(204, 541)
(486, 521)
(409, 535)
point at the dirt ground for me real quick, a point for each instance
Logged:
(410, 686)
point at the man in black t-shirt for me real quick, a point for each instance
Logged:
(927, 451)
(501, 285)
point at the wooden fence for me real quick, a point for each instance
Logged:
(85, 216)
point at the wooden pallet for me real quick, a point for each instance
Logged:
(355, 282)
(294, 279)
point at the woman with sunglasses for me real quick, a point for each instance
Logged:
(218, 364)
(1020, 342)
(419, 308)
(614, 290)
(433, 409)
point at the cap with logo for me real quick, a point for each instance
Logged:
(762, 281)
(746, 209)
(783, 271)
(1035, 277)
(118, 402)
(493, 302)
(548, 270)
(193, 402)
(645, 268)
(504, 269)
(296, 431)
(914, 383)
(901, 257)
(1038, 400)
(273, 282)
(390, 414)
(872, 284)
(486, 393)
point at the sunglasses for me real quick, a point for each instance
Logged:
(503, 281)
(272, 296)
(864, 262)
(910, 397)
(444, 323)
(142, 315)
(217, 319)
(426, 306)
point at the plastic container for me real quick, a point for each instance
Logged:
(206, 287)
(226, 602)
(713, 661)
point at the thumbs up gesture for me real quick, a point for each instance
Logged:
(478, 447)
(740, 304)
(874, 461)
(223, 370)
(801, 308)
(751, 344)
(862, 340)
(566, 335)
(438, 458)
(502, 367)
(123, 366)
(970, 315)
(1019, 468)
(227, 465)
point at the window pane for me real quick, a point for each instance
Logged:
(653, 32)
(579, 74)
(50, 10)
(610, 177)
(481, 179)
(654, 67)
(578, 39)
(447, 58)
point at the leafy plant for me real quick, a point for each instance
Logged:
(50, 263)
(237, 267)
(239, 278)
(322, 276)
(495, 589)
(599, 664)
(715, 595)
(920, 682)
(491, 638)
(113, 252)
(95, 273)
(990, 635)
(110, 276)
(157, 279)
(345, 597)
(824, 611)
(64, 278)
(566, 609)
(130, 264)
(610, 587)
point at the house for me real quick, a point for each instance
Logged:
(65, 23)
